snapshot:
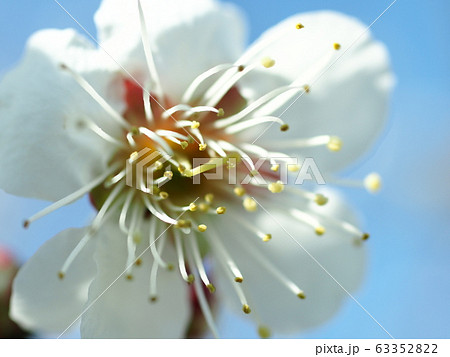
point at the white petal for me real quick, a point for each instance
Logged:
(43, 154)
(272, 303)
(41, 301)
(187, 36)
(349, 101)
(124, 310)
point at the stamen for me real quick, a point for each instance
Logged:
(199, 263)
(372, 182)
(131, 239)
(154, 271)
(147, 104)
(115, 179)
(332, 142)
(153, 73)
(101, 133)
(72, 197)
(268, 62)
(153, 136)
(239, 191)
(97, 97)
(154, 224)
(308, 219)
(161, 215)
(250, 204)
(233, 129)
(242, 221)
(181, 262)
(124, 212)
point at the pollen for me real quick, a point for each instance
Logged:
(336, 46)
(202, 228)
(250, 204)
(321, 200)
(202, 147)
(299, 26)
(221, 210)
(239, 191)
(335, 144)
(320, 230)
(268, 62)
(276, 187)
(372, 182)
(195, 125)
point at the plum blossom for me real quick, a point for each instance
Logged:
(169, 84)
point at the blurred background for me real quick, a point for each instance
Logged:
(407, 287)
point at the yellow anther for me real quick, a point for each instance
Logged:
(336, 46)
(307, 88)
(211, 288)
(299, 26)
(293, 168)
(168, 174)
(153, 298)
(241, 68)
(321, 199)
(184, 144)
(193, 207)
(203, 207)
(170, 267)
(221, 112)
(164, 195)
(181, 169)
(246, 309)
(239, 279)
(365, 236)
(221, 210)
(284, 127)
(61, 275)
(301, 295)
(275, 168)
(372, 182)
(264, 332)
(138, 262)
(320, 230)
(190, 279)
(209, 197)
(183, 224)
(134, 130)
(239, 191)
(276, 187)
(134, 156)
(137, 237)
(195, 125)
(158, 165)
(268, 62)
(267, 237)
(202, 228)
(202, 147)
(250, 204)
(129, 277)
(334, 144)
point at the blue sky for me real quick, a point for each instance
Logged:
(407, 288)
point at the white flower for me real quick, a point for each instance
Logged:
(75, 121)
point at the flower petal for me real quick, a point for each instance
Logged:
(348, 98)
(44, 154)
(120, 308)
(187, 37)
(41, 301)
(273, 303)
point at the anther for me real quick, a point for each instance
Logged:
(153, 299)
(284, 127)
(268, 62)
(239, 279)
(365, 236)
(299, 26)
(195, 125)
(337, 46)
(221, 112)
(209, 197)
(221, 210)
(138, 262)
(193, 207)
(190, 279)
(264, 332)
(129, 277)
(61, 275)
(301, 295)
(203, 207)
(239, 191)
(335, 143)
(246, 309)
(372, 182)
(320, 230)
(168, 174)
(320, 199)
(202, 147)
(202, 227)
(293, 168)
(276, 187)
(184, 144)
(164, 195)
(307, 88)
(211, 288)
(250, 204)
(241, 68)
(267, 237)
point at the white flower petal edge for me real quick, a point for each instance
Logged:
(43, 152)
(123, 310)
(349, 101)
(274, 305)
(40, 300)
(176, 30)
